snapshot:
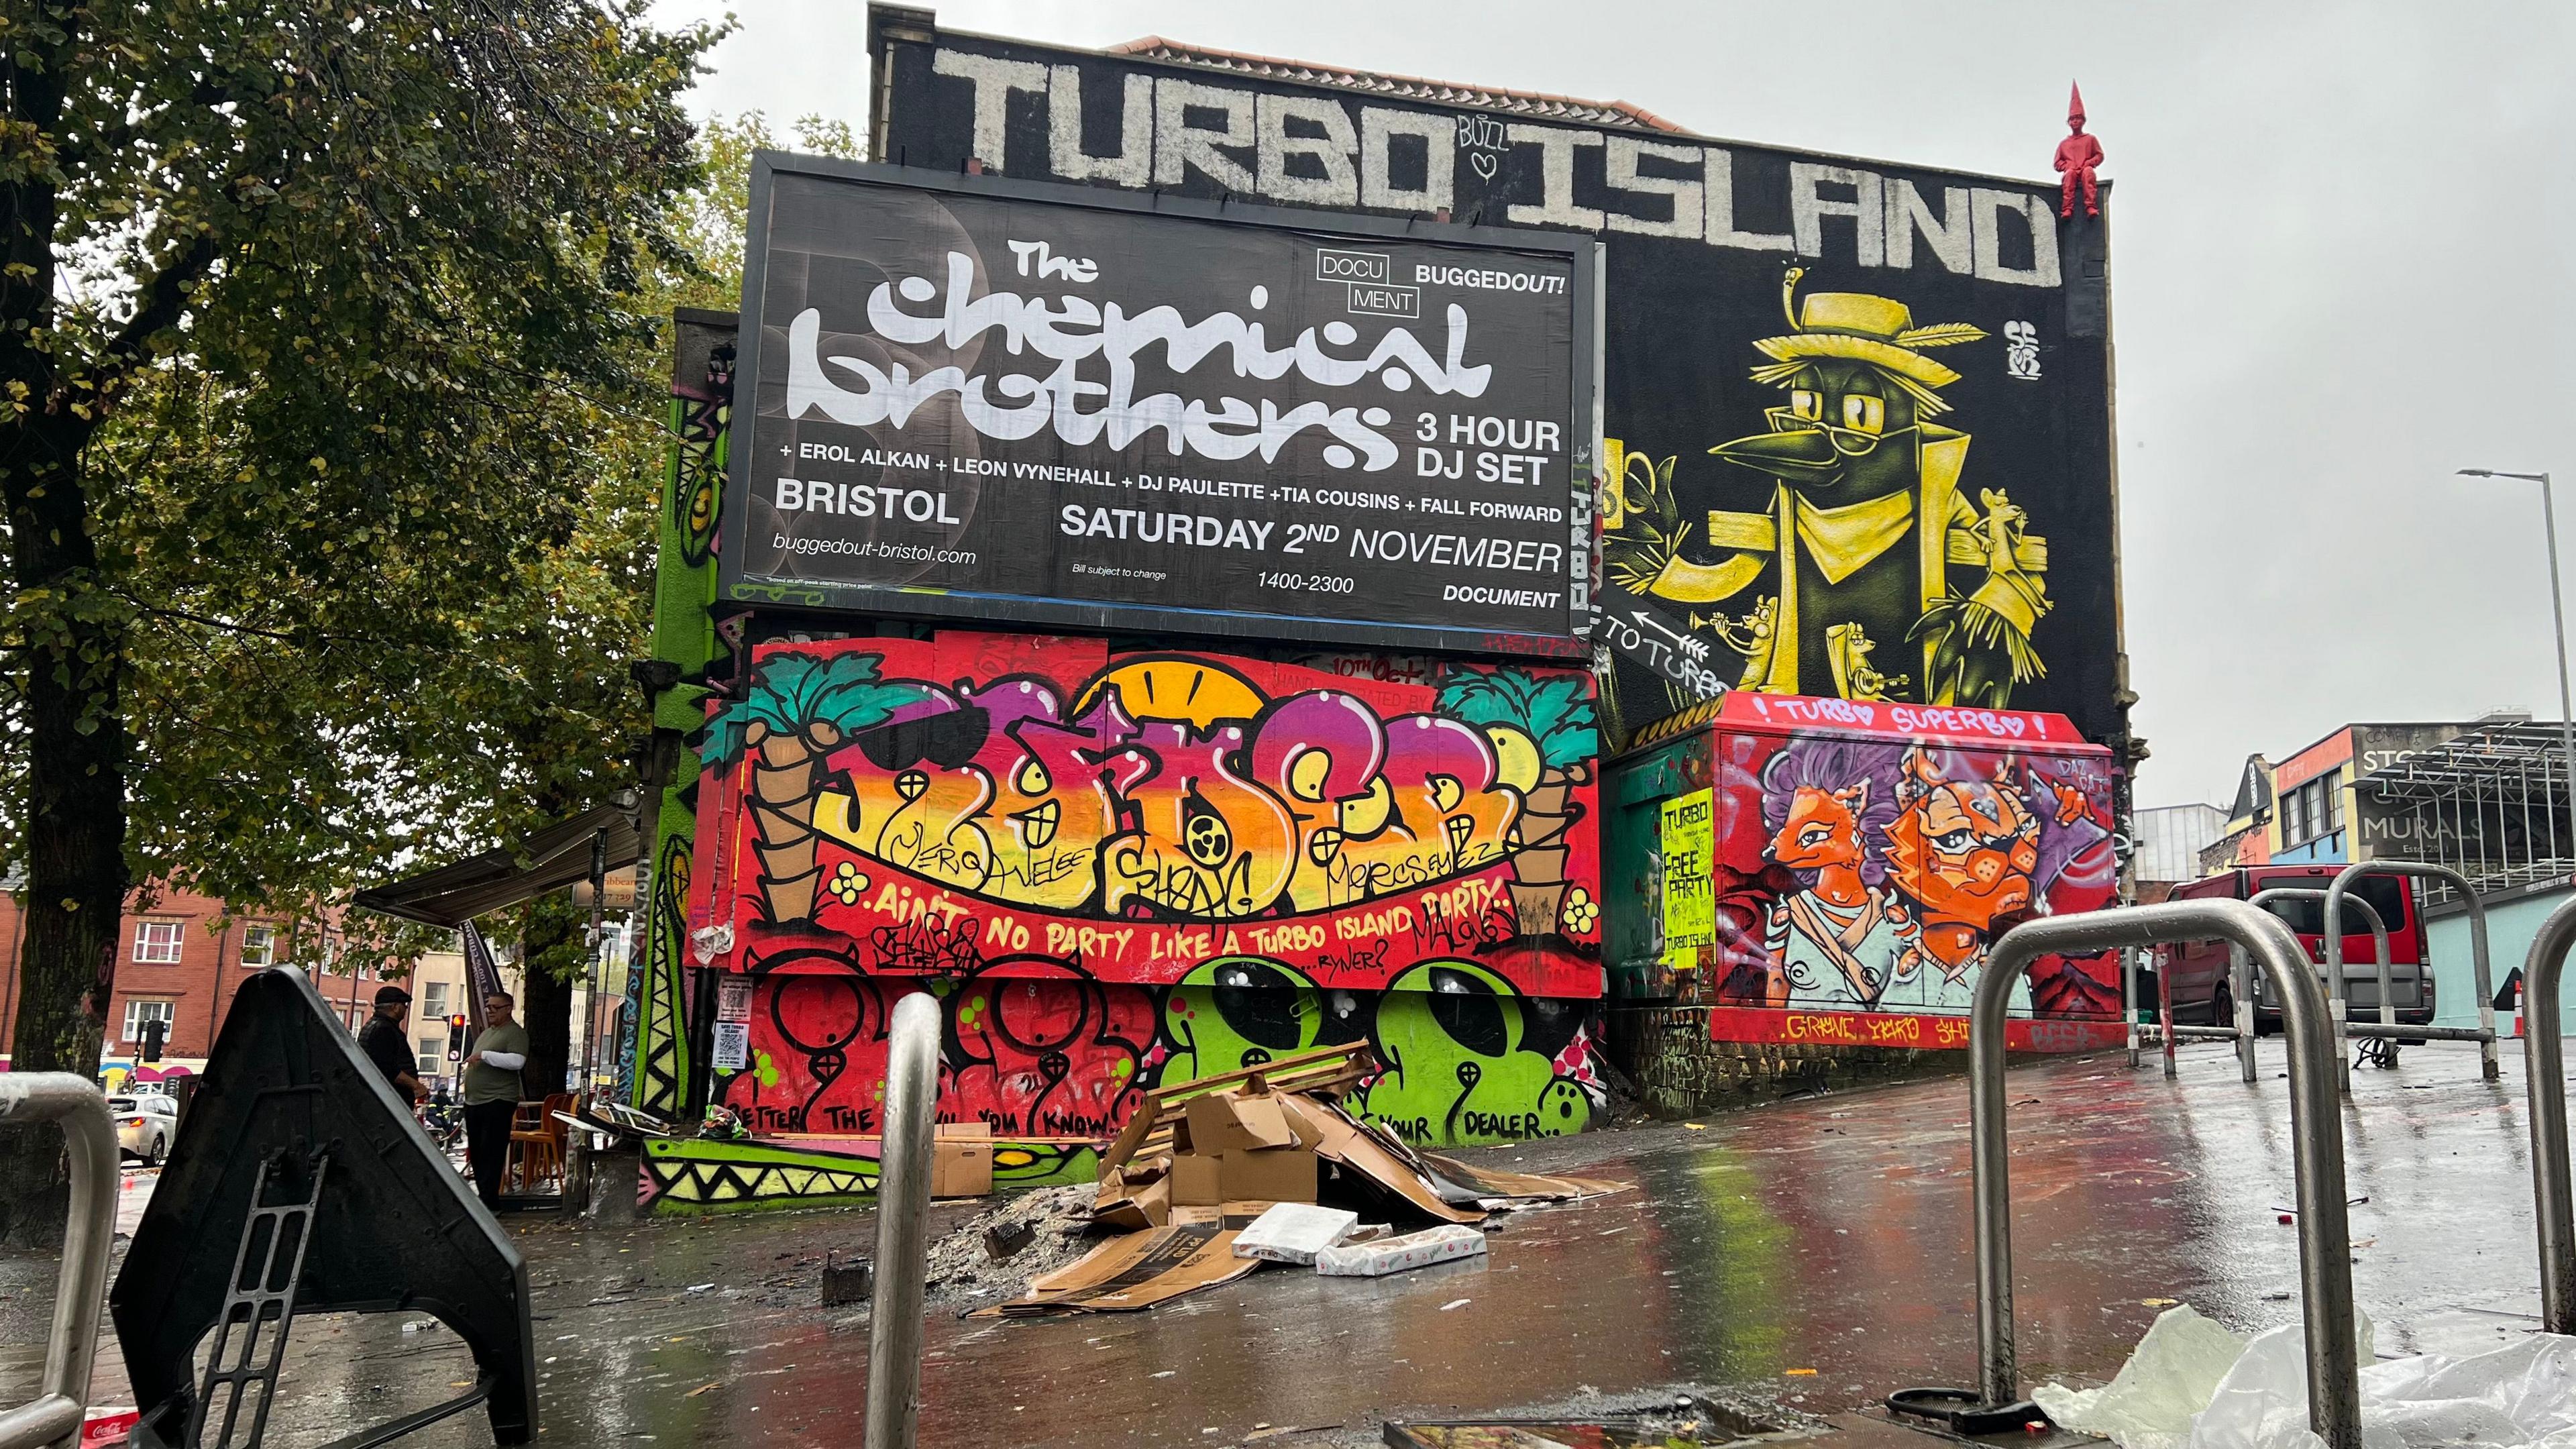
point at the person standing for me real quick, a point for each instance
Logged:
(385, 1044)
(492, 1094)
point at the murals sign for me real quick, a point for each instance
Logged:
(1049, 404)
(1859, 414)
(1116, 867)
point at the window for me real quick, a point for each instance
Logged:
(2313, 809)
(433, 1054)
(2386, 895)
(139, 1012)
(259, 946)
(433, 999)
(156, 943)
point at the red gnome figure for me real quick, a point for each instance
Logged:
(2077, 155)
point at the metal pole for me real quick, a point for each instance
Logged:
(2240, 987)
(2316, 1130)
(2129, 999)
(2558, 622)
(80, 1283)
(2489, 1066)
(903, 1210)
(590, 989)
(2544, 1071)
(2164, 1014)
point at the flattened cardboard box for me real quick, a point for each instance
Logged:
(1229, 1122)
(1340, 1139)
(1193, 1251)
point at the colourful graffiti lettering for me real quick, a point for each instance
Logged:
(1141, 814)
(1118, 869)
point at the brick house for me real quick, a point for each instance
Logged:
(174, 963)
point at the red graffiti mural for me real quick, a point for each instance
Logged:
(1111, 866)
(1035, 1049)
(1011, 804)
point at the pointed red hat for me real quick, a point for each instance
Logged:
(2074, 104)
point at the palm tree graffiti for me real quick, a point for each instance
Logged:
(799, 709)
(1544, 735)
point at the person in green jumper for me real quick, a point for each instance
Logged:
(492, 1094)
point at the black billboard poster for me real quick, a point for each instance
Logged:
(1034, 402)
(1857, 415)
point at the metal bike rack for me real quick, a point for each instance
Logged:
(2240, 987)
(2338, 995)
(903, 1210)
(80, 1284)
(2545, 1083)
(2316, 1129)
(2166, 1031)
(2484, 1034)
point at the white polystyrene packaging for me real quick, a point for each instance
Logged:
(1394, 1255)
(1294, 1232)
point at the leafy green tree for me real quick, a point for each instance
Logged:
(310, 315)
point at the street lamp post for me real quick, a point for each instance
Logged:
(2557, 612)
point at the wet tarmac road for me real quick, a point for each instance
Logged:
(1814, 1252)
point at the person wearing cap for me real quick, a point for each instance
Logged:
(387, 1045)
(492, 1091)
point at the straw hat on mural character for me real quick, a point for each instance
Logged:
(1855, 458)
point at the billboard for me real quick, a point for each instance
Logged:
(1048, 404)
(1857, 415)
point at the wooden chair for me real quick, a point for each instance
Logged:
(537, 1141)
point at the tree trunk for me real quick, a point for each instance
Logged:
(1538, 868)
(72, 669)
(551, 960)
(786, 780)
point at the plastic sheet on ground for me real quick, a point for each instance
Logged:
(2170, 1378)
(2185, 1388)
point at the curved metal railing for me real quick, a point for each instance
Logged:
(2336, 894)
(80, 1284)
(2316, 1129)
(2544, 1071)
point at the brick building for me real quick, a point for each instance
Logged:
(178, 960)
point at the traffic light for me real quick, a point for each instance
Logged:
(456, 1038)
(155, 1032)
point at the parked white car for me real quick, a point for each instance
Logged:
(146, 1124)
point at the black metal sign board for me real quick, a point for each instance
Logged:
(1052, 404)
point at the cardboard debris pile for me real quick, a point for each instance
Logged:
(1200, 1161)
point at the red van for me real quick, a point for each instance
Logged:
(2198, 969)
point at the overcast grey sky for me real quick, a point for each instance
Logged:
(2341, 270)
